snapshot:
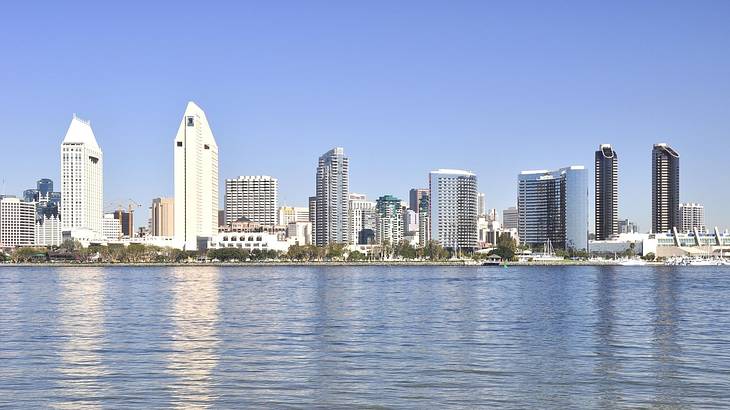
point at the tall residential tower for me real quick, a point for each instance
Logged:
(333, 191)
(196, 179)
(453, 208)
(606, 179)
(664, 189)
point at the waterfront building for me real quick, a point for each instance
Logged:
(112, 227)
(510, 218)
(389, 220)
(196, 179)
(48, 231)
(162, 222)
(82, 180)
(553, 206)
(424, 220)
(361, 214)
(17, 222)
(415, 195)
(288, 214)
(691, 217)
(249, 241)
(627, 226)
(252, 197)
(667, 245)
(453, 208)
(606, 192)
(664, 189)
(333, 189)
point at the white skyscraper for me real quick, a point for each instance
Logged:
(196, 179)
(453, 196)
(82, 181)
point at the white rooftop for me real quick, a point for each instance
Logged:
(79, 132)
(448, 171)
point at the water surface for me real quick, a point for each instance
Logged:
(532, 337)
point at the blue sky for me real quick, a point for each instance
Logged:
(405, 87)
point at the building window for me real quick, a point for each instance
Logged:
(206, 146)
(191, 123)
(179, 143)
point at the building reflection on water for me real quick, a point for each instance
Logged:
(81, 333)
(194, 342)
(667, 351)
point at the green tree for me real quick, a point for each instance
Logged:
(22, 255)
(356, 256)
(506, 248)
(650, 256)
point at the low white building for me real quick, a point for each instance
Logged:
(618, 244)
(248, 241)
(48, 231)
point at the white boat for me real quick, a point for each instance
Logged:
(632, 262)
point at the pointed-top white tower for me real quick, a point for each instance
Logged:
(196, 179)
(82, 180)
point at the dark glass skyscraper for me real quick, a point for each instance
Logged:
(664, 188)
(606, 192)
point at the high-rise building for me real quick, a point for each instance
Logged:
(252, 197)
(664, 189)
(163, 217)
(112, 227)
(17, 222)
(510, 218)
(196, 179)
(414, 196)
(333, 189)
(361, 214)
(481, 204)
(553, 206)
(288, 214)
(606, 192)
(389, 220)
(424, 220)
(453, 196)
(82, 181)
(691, 217)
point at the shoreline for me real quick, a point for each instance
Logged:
(465, 264)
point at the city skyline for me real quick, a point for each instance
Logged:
(449, 108)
